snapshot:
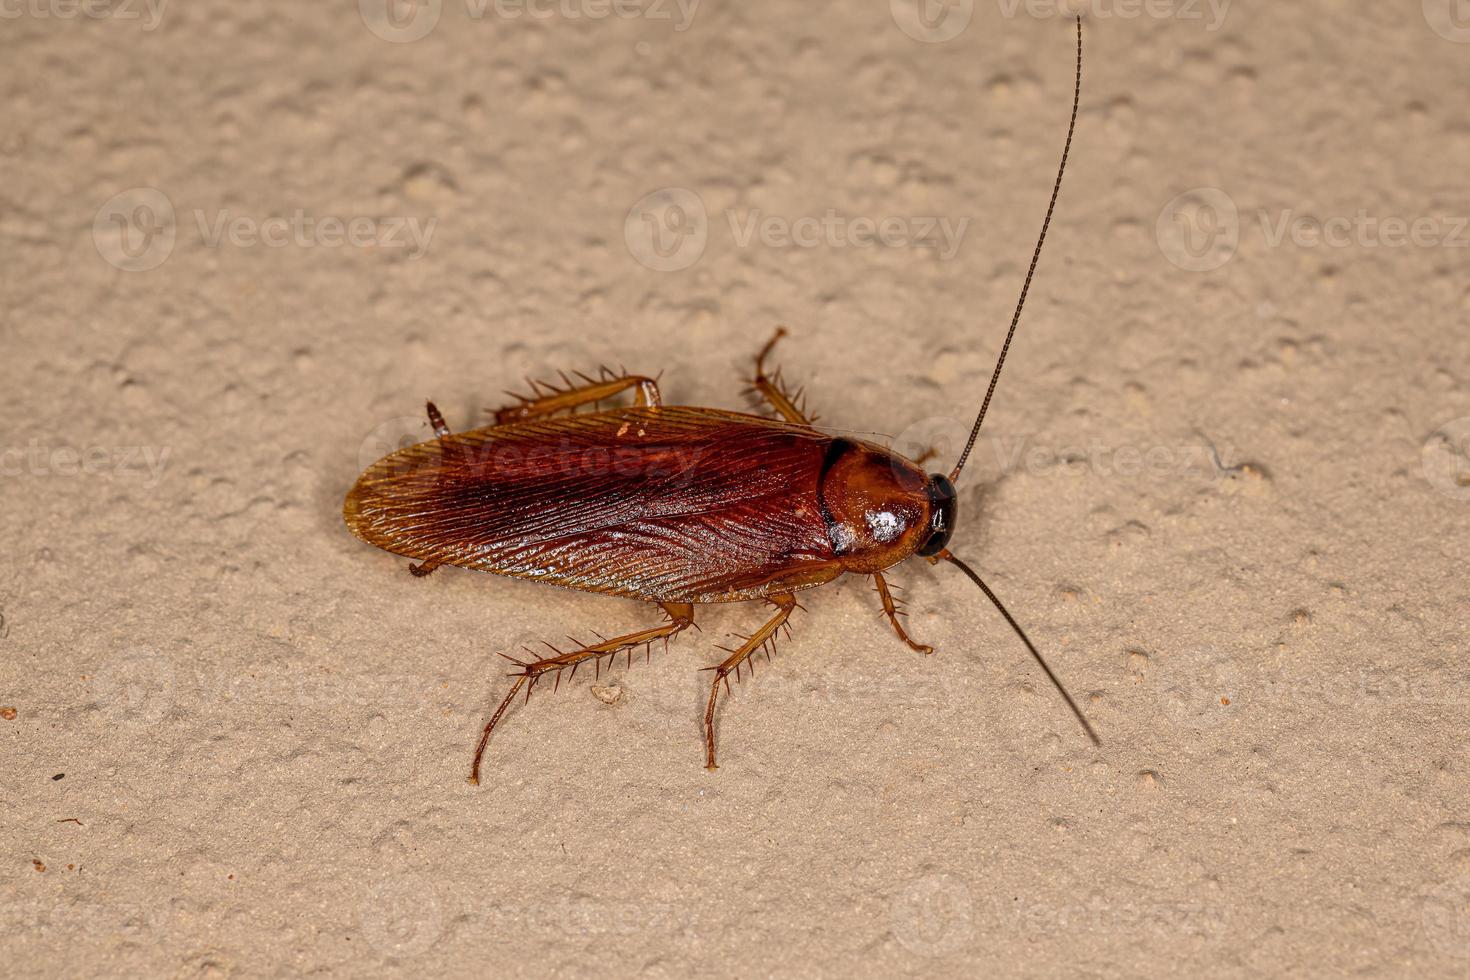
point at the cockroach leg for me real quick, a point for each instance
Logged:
(784, 603)
(423, 568)
(548, 399)
(681, 617)
(891, 608)
(437, 421)
(790, 406)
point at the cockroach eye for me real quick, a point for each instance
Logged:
(941, 515)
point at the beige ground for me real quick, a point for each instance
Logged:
(265, 725)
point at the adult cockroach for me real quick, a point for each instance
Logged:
(671, 505)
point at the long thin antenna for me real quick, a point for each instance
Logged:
(1086, 726)
(1035, 256)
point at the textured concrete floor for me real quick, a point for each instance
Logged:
(1224, 484)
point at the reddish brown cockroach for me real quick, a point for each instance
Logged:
(671, 505)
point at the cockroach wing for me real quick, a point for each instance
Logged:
(661, 504)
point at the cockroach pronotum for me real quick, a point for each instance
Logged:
(674, 506)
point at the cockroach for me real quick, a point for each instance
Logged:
(673, 506)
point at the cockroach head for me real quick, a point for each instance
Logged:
(941, 515)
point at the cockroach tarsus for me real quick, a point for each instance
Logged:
(674, 506)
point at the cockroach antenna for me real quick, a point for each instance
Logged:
(974, 577)
(1035, 257)
(995, 377)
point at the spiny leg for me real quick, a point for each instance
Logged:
(548, 399)
(789, 405)
(891, 607)
(784, 604)
(681, 617)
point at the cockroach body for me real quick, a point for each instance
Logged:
(676, 506)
